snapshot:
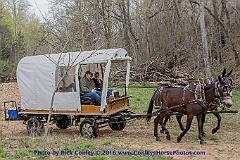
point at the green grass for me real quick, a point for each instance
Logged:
(236, 100)
(99, 158)
(20, 154)
(7, 68)
(3, 153)
(140, 98)
(220, 150)
(77, 146)
(212, 137)
(145, 84)
(105, 143)
(24, 143)
(85, 146)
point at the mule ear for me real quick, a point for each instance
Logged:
(224, 72)
(220, 79)
(229, 73)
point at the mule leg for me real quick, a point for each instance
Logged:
(156, 121)
(179, 119)
(203, 121)
(165, 130)
(165, 122)
(214, 130)
(188, 125)
(200, 128)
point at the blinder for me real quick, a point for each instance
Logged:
(224, 91)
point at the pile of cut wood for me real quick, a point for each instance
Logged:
(153, 71)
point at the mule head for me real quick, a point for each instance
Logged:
(224, 88)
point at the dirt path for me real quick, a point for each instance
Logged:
(138, 137)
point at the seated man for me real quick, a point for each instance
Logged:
(88, 88)
(99, 84)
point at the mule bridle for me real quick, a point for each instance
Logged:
(219, 90)
(218, 95)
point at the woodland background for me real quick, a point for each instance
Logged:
(162, 36)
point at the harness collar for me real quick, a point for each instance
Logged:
(216, 91)
(199, 92)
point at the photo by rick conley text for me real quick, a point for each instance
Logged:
(116, 152)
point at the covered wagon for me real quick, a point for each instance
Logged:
(51, 81)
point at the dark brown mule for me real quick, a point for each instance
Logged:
(225, 92)
(223, 95)
(217, 100)
(189, 100)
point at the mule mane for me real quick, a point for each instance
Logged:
(170, 86)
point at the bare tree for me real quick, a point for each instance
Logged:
(105, 14)
(125, 20)
(226, 32)
(149, 28)
(216, 48)
(96, 23)
(204, 40)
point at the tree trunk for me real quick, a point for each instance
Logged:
(147, 32)
(227, 31)
(125, 12)
(216, 50)
(96, 24)
(181, 35)
(105, 8)
(204, 40)
(82, 26)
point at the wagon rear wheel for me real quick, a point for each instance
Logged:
(117, 123)
(35, 127)
(89, 128)
(63, 122)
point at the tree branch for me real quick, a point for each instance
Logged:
(225, 31)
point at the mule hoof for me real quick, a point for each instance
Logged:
(202, 142)
(157, 139)
(204, 134)
(161, 131)
(214, 130)
(179, 139)
(168, 137)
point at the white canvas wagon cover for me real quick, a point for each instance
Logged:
(36, 77)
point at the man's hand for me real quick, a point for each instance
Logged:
(93, 90)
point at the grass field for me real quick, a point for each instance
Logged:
(134, 142)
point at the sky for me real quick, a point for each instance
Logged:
(41, 4)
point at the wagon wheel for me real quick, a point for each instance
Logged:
(117, 123)
(63, 122)
(35, 127)
(89, 128)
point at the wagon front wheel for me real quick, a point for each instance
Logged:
(35, 127)
(89, 128)
(117, 123)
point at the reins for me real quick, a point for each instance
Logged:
(180, 105)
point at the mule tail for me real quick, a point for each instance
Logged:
(150, 108)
